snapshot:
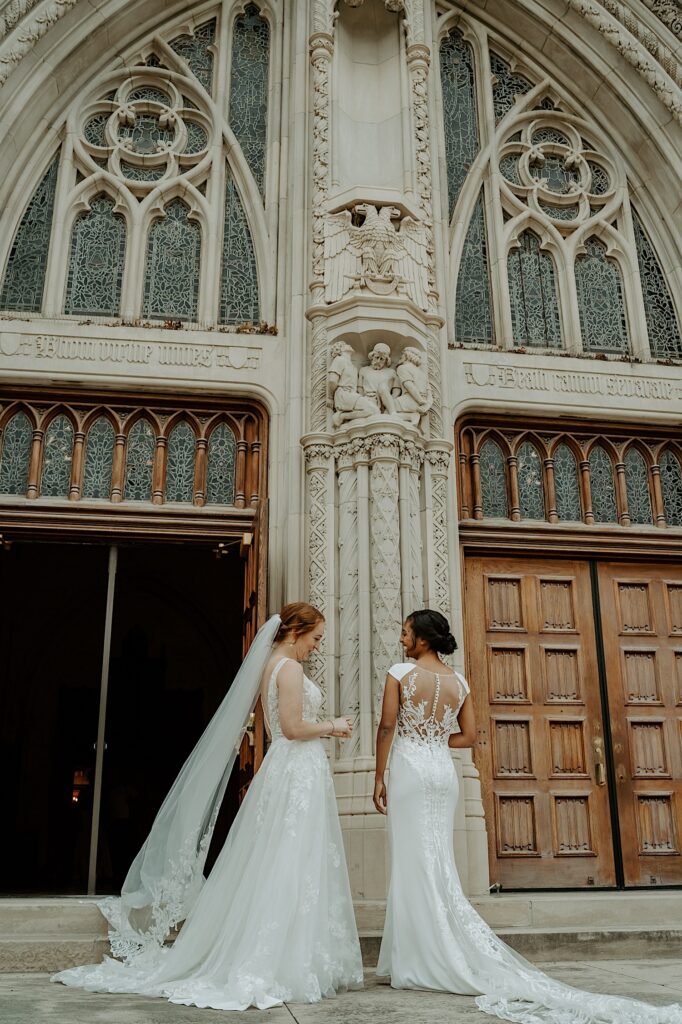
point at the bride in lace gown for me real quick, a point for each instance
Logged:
(433, 938)
(274, 921)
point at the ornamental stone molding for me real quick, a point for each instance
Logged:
(24, 22)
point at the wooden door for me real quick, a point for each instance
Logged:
(533, 669)
(641, 608)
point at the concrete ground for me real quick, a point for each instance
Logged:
(32, 999)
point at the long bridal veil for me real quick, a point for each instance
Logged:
(166, 877)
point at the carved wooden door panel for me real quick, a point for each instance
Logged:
(533, 669)
(642, 624)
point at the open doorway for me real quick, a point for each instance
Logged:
(176, 642)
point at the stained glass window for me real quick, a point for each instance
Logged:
(600, 182)
(149, 94)
(22, 288)
(493, 480)
(506, 86)
(509, 166)
(171, 286)
(473, 310)
(98, 244)
(139, 462)
(600, 301)
(529, 472)
(146, 135)
(604, 505)
(249, 88)
(180, 465)
(221, 460)
(661, 321)
(16, 442)
(569, 212)
(566, 487)
(136, 173)
(459, 110)
(57, 458)
(196, 51)
(637, 486)
(671, 486)
(549, 134)
(239, 279)
(197, 139)
(558, 177)
(94, 130)
(99, 457)
(532, 294)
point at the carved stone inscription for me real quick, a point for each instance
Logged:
(112, 353)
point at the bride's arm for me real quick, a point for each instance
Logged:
(389, 717)
(294, 726)
(467, 725)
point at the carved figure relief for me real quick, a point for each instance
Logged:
(377, 254)
(377, 388)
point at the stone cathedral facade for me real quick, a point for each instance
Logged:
(381, 304)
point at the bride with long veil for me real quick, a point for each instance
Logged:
(274, 920)
(433, 938)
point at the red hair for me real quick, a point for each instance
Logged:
(297, 618)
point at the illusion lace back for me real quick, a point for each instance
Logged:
(274, 921)
(433, 938)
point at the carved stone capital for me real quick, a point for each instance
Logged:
(321, 46)
(418, 56)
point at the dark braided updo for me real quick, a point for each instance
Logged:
(434, 628)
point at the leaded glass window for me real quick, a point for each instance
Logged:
(239, 278)
(171, 286)
(146, 134)
(139, 462)
(196, 51)
(506, 86)
(473, 310)
(604, 506)
(99, 457)
(566, 486)
(532, 294)
(661, 321)
(529, 473)
(249, 88)
(57, 458)
(493, 480)
(24, 282)
(98, 244)
(221, 463)
(180, 466)
(459, 110)
(16, 442)
(671, 486)
(600, 301)
(637, 487)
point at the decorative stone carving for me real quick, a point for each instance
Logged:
(375, 254)
(321, 51)
(415, 399)
(377, 388)
(378, 379)
(342, 381)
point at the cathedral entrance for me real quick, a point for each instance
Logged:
(576, 669)
(112, 662)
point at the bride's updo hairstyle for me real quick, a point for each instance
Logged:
(297, 618)
(434, 628)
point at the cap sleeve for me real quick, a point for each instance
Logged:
(400, 670)
(467, 688)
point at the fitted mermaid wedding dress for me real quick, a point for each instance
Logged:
(274, 921)
(433, 938)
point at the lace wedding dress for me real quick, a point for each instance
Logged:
(274, 921)
(433, 938)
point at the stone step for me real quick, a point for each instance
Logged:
(52, 934)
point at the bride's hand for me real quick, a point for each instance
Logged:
(343, 727)
(380, 799)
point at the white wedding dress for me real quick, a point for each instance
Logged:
(433, 938)
(274, 921)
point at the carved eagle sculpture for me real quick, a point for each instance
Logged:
(375, 252)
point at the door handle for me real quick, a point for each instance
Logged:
(599, 761)
(251, 729)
